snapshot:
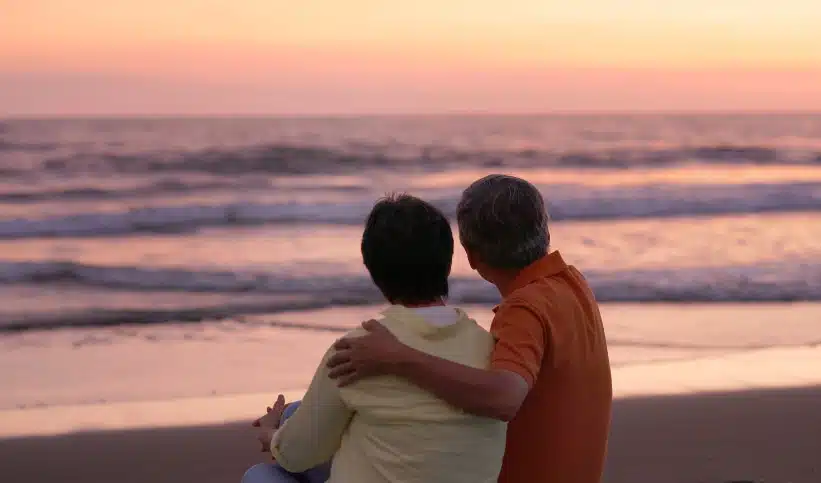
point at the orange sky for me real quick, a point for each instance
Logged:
(359, 56)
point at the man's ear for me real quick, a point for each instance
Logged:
(471, 257)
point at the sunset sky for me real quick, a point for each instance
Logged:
(60, 57)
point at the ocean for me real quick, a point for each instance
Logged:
(118, 221)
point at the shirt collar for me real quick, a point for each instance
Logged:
(411, 319)
(547, 266)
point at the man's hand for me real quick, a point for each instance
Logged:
(373, 354)
(269, 423)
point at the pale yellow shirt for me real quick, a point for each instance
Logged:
(385, 429)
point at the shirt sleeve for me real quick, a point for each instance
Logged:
(520, 340)
(313, 434)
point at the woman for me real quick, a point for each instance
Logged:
(384, 429)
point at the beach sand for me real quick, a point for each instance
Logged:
(770, 436)
(705, 393)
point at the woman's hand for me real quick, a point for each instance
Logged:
(269, 423)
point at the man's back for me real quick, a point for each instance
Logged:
(400, 432)
(560, 433)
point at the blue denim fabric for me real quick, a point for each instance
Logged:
(273, 473)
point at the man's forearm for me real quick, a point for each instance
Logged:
(482, 392)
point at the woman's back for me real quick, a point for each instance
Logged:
(400, 432)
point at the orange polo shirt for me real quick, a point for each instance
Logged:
(549, 331)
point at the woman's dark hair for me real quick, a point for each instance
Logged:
(407, 247)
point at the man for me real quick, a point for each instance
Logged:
(385, 429)
(549, 373)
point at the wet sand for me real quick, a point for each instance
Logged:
(705, 393)
(770, 436)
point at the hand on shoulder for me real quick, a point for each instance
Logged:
(372, 354)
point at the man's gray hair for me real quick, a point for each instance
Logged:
(503, 220)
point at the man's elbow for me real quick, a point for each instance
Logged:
(503, 407)
(507, 415)
(507, 396)
(505, 411)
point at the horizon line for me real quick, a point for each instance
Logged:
(433, 114)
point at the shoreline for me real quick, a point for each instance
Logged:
(718, 437)
(777, 368)
(224, 372)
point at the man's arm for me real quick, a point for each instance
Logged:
(497, 392)
(494, 393)
(314, 433)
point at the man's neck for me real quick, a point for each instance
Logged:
(503, 280)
